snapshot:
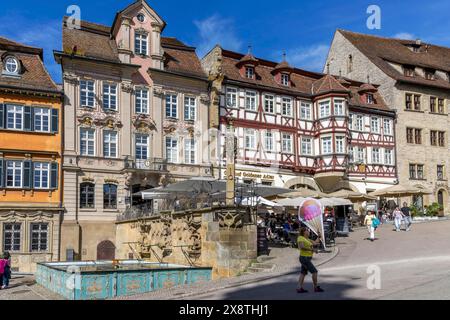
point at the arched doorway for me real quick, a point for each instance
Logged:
(106, 250)
(441, 200)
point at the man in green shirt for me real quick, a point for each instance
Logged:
(306, 247)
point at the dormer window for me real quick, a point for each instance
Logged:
(250, 72)
(430, 74)
(285, 79)
(370, 98)
(11, 66)
(141, 43)
(409, 71)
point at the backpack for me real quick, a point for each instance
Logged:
(376, 223)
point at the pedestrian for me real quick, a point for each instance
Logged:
(368, 221)
(306, 247)
(408, 218)
(3, 263)
(7, 270)
(398, 217)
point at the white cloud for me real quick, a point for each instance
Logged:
(36, 33)
(216, 30)
(404, 36)
(311, 58)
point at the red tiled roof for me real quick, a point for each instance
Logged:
(327, 84)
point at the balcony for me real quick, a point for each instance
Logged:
(138, 212)
(153, 164)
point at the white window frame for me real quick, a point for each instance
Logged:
(340, 145)
(13, 233)
(141, 39)
(339, 107)
(324, 109)
(326, 145)
(110, 138)
(142, 143)
(387, 127)
(285, 79)
(370, 98)
(172, 149)
(190, 108)
(307, 144)
(17, 113)
(305, 110)
(376, 156)
(388, 157)
(351, 119)
(90, 142)
(250, 72)
(269, 103)
(359, 154)
(231, 97)
(171, 106)
(15, 166)
(287, 141)
(286, 104)
(269, 144)
(141, 101)
(39, 168)
(359, 123)
(39, 238)
(250, 100)
(14, 63)
(110, 96)
(250, 139)
(87, 94)
(42, 115)
(190, 151)
(375, 125)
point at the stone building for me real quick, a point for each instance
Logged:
(414, 79)
(136, 117)
(30, 157)
(300, 129)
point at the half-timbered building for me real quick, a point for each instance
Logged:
(300, 129)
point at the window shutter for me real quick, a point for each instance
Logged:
(2, 174)
(27, 118)
(27, 174)
(54, 176)
(2, 116)
(55, 120)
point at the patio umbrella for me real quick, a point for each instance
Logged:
(326, 202)
(352, 196)
(399, 191)
(255, 201)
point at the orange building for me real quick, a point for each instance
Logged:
(30, 157)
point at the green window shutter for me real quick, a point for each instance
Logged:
(2, 116)
(2, 173)
(27, 174)
(55, 120)
(54, 176)
(28, 119)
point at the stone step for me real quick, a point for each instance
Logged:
(263, 259)
(256, 270)
(268, 266)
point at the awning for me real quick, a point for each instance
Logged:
(326, 202)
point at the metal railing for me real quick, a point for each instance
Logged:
(153, 164)
(137, 212)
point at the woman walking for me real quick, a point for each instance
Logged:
(3, 263)
(306, 247)
(398, 218)
(368, 221)
(7, 270)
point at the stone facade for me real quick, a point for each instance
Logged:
(394, 92)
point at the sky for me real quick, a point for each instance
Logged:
(303, 29)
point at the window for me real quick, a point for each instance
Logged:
(142, 147)
(87, 142)
(12, 65)
(109, 196)
(418, 136)
(39, 237)
(409, 71)
(109, 96)
(141, 17)
(375, 125)
(141, 96)
(306, 146)
(269, 104)
(305, 110)
(339, 108)
(388, 157)
(340, 145)
(441, 107)
(412, 171)
(327, 145)
(409, 98)
(433, 138)
(87, 93)
(370, 98)
(286, 105)
(171, 106)
(250, 72)
(231, 97)
(433, 104)
(14, 117)
(359, 123)
(358, 154)
(189, 151)
(430, 74)
(375, 155)
(416, 102)
(268, 141)
(416, 171)
(14, 171)
(441, 139)
(440, 172)
(351, 121)
(250, 139)
(190, 109)
(285, 79)
(110, 144)
(42, 119)
(286, 143)
(87, 196)
(387, 127)
(410, 135)
(250, 100)
(414, 136)
(140, 43)
(171, 150)
(350, 64)
(41, 175)
(325, 110)
(420, 171)
(11, 237)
